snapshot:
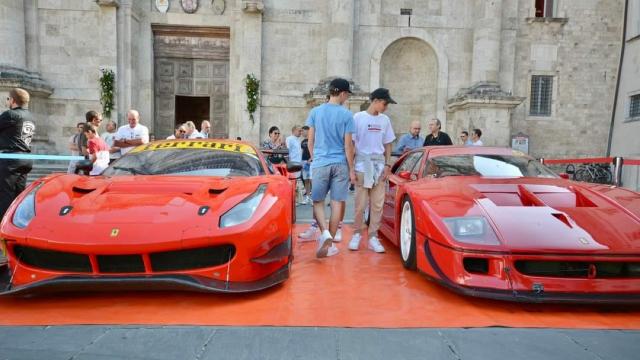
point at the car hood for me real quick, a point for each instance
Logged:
(543, 215)
(132, 207)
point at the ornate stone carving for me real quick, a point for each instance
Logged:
(162, 6)
(484, 92)
(252, 6)
(33, 82)
(113, 3)
(318, 94)
(218, 6)
(189, 6)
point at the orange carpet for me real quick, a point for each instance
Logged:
(352, 289)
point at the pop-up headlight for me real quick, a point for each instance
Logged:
(26, 210)
(244, 210)
(472, 230)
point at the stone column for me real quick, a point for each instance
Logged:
(123, 83)
(340, 38)
(12, 33)
(487, 33)
(32, 35)
(248, 41)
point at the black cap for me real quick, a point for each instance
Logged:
(339, 84)
(382, 94)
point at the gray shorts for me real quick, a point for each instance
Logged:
(334, 178)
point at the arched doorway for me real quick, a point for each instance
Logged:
(409, 69)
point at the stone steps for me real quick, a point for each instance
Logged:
(44, 168)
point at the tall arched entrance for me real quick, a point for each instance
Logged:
(409, 69)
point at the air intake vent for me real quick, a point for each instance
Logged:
(80, 190)
(120, 264)
(579, 269)
(476, 265)
(192, 258)
(52, 260)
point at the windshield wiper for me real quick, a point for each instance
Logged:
(134, 171)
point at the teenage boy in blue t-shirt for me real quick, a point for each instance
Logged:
(331, 128)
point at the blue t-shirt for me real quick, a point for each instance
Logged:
(331, 122)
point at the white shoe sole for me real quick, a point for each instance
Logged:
(374, 250)
(324, 248)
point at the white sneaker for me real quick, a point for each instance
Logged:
(338, 236)
(308, 200)
(354, 243)
(324, 243)
(309, 234)
(333, 250)
(374, 244)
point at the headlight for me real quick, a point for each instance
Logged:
(26, 210)
(244, 210)
(472, 230)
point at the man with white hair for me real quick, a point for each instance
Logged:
(132, 134)
(192, 131)
(205, 129)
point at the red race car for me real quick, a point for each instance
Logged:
(494, 223)
(203, 215)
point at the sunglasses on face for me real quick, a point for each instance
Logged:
(276, 133)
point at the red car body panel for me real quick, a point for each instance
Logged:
(536, 220)
(149, 218)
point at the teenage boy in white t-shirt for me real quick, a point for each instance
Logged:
(373, 138)
(131, 135)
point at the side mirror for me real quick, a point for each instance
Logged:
(84, 166)
(293, 166)
(405, 175)
(564, 176)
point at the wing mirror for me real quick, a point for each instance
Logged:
(405, 175)
(84, 166)
(293, 166)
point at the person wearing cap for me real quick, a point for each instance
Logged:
(373, 138)
(412, 140)
(331, 153)
(436, 137)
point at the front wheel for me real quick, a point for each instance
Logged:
(407, 235)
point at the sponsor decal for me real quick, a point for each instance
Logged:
(193, 144)
(115, 232)
(584, 241)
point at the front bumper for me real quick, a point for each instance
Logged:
(546, 297)
(516, 294)
(171, 282)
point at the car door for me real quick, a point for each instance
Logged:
(405, 171)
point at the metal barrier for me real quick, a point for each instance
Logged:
(23, 156)
(618, 162)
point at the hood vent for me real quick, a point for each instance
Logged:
(217, 191)
(82, 191)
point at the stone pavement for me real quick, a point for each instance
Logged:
(175, 342)
(304, 213)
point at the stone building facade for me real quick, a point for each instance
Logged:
(625, 130)
(545, 69)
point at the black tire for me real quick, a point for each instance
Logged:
(410, 261)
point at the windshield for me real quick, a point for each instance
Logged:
(189, 162)
(487, 166)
